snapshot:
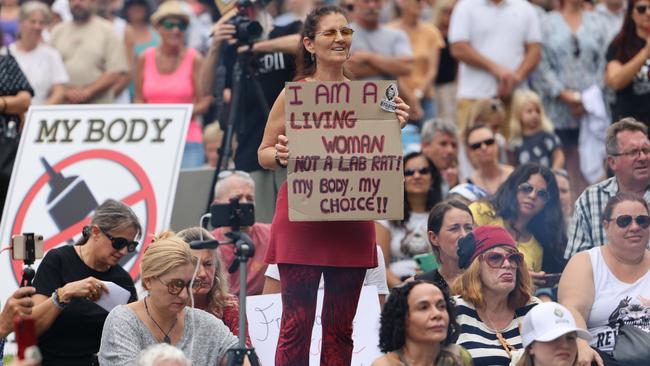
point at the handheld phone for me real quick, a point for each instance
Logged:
(552, 279)
(427, 262)
(27, 247)
(25, 329)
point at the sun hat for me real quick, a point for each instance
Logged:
(481, 239)
(169, 8)
(548, 321)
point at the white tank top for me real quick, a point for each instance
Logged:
(615, 300)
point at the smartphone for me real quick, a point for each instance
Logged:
(229, 214)
(427, 262)
(25, 329)
(27, 246)
(552, 279)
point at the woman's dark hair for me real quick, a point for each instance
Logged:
(130, 3)
(548, 225)
(472, 128)
(305, 65)
(622, 197)
(627, 42)
(392, 330)
(434, 195)
(112, 215)
(437, 216)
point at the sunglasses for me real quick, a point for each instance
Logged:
(641, 9)
(411, 172)
(169, 25)
(624, 221)
(526, 188)
(119, 242)
(477, 145)
(176, 286)
(332, 33)
(496, 259)
(576, 46)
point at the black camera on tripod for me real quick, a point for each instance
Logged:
(233, 214)
(247, 31)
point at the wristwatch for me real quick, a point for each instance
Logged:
(57, 301)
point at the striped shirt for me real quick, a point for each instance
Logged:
(586, 229)
(482, 342)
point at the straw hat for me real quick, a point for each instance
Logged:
(170, 8)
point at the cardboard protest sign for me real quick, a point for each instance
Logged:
(346, 151)
(265, 311)
(73, 157)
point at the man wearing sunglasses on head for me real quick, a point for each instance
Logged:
(93, 55)
(71, 279)
(628, 150)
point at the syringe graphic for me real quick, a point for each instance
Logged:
(70, 199)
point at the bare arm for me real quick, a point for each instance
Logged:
(618, 76)
(57, 94)
(274, 139)
(285, 44)
(44, 313)
(576, 292)
(558, 159)
(16, 104)
(271, 286)
(393, 66)
(202, 100)
(139, 80)
(124, 78)
(220, 32)
(531, 59)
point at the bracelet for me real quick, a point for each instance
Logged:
(277, 160)
(57, 300)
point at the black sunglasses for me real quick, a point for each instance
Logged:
(477, 145)
(576, 46)
(410, 172)
(119, 242)
(641, 9)
(624, 221)
(169, 25)
(176, 285)
(526, 188)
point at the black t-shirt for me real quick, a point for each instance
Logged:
(448, 67)
(272, 70)
(634, 99)
(75, 335)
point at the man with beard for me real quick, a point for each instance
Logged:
(92, 53)
(628, 156)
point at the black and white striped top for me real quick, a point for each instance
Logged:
(481, 341)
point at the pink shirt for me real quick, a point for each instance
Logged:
(176, 87)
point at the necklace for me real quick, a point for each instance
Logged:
(502, 340)
(166, 339)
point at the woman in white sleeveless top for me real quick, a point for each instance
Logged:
(608, 285)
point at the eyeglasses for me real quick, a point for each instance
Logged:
(169, 25)
(641, 9)
(477, 145)
(634, 153)
(576, 46)
(332, 33)
(624, 221)
(176, 286)
(411, 172)
(496, 259)
(119, 242)
(228, 173)
(526, 188)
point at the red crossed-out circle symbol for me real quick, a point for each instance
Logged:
(145, 193)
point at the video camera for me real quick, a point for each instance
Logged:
(247, 31)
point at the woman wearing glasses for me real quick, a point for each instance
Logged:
(402, 240)
(608, 286)
(483, 151)
(528, 206)
(70, 279)
(493, 295)
(170, 73)
(628, 64)
(164, 314)
(341, 250)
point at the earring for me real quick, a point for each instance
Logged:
(85, 232)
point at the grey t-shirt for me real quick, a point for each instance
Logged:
(205, 338)
(385, 41)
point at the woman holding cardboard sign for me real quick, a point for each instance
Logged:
(341, 251)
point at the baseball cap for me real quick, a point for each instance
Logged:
(548, 321)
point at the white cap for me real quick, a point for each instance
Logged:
(548, 321)
(468, 191)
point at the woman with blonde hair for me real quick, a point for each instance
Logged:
(531, 133)
(213, 295)
(493, 295)
(168, 267)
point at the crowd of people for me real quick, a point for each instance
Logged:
(525, 233)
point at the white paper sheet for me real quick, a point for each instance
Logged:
(116, 296)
